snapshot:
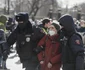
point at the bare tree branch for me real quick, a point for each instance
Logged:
(29, 3)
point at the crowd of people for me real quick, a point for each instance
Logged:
(45, 46)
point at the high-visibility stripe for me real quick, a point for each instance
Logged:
(44, 31)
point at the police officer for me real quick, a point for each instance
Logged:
(23, 36)
(72, 51)
(9, 24)
(45, 24)
(40, 31)
(3, 50)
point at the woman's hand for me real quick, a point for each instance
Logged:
(49, 65)
(41, 62)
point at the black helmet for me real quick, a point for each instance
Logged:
(22, 16)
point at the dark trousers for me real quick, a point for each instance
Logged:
(29, 65)
(69, 66)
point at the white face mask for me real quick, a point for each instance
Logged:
(51, 32)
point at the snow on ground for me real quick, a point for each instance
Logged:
(11, 62)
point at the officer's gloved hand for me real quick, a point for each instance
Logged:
(38, 49)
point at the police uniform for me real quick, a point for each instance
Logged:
(72, 49)
(24, 42)
(73, 53)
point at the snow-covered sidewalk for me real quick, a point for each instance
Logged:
(11, 62)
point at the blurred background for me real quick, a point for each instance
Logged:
(38, 9)
(42, 8)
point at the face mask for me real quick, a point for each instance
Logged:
(21, 25)
(51, 32)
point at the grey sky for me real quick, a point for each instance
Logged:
(70, 3)
(63, 3)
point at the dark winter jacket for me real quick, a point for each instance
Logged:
(72, 51)
(24, 42)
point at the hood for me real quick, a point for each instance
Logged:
(68, 24)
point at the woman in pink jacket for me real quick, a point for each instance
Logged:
(50, 58)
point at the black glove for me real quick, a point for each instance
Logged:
(38, 49)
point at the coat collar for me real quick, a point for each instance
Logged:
(54, 38)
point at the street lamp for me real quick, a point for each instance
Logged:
(59, 13)
(79, 14)
(50, 13)
(8, 9)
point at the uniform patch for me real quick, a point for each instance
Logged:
(77, 42)
(27, 39)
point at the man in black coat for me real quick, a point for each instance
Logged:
(73, 50)
(10, 25)
(23, 36)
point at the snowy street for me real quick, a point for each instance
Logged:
(12, 62)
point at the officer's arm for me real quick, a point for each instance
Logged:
(38, 35)
(78, 50)
(12, 38)
(41, 45)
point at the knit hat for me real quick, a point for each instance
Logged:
(56, 26)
